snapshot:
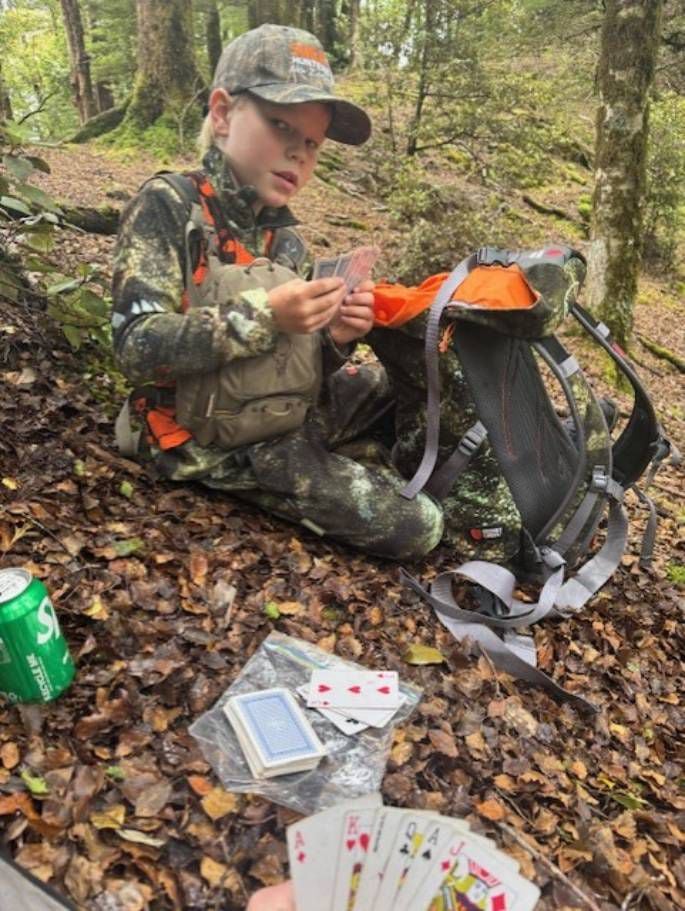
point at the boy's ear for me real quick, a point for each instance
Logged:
(220, 107)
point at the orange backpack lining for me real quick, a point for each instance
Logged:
(484, 288)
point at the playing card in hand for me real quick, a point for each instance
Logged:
(362, 856)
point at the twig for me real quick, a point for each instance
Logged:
(554, 869)
(493, 670)
(668, 490)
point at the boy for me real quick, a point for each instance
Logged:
(238, 361)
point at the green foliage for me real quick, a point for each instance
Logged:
(36, 69)
(676, 573)
(29, 217)
(664, 215)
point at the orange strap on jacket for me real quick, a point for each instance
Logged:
(164, 431)
(484, 288)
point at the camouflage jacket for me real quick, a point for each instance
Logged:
(154, 340)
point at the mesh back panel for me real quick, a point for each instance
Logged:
(535, 454)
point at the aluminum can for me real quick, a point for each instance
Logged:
(35, 664)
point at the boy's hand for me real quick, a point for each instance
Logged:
(274, 898)
(355, 317)
(305, 307)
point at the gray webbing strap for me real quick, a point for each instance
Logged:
(578, 520)
(647, 550)
(440, 482)
(576, 592)
(195, 223)
(127, 439)
(442, 300)
(462, 623)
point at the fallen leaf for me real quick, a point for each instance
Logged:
(491, 809)
(476, 743)
(153, 799)
(422, 654)
(36, 785)
(290, 608)
(97, 610)
(141, 838)
(443, 742)
(110, 818)
(213, 871)
(201, 786)
(198, 568)
(9, 753)
(219, 803)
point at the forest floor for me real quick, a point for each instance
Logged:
(161, 592)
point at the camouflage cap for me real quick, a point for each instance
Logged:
(288, 66)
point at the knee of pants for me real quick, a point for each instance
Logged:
(418, 530)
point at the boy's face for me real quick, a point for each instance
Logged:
(273, 147)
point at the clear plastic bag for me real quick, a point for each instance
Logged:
(354, 765)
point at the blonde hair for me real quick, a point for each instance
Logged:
(206, 137)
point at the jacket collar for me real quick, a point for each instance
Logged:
(236, 200)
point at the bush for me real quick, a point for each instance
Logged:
(664, 214)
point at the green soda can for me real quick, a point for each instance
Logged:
(35, 664)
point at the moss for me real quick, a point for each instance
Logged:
(675, 572)
(162, 139)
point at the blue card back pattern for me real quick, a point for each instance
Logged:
(275, 727)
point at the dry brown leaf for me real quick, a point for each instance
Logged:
(9, 754)
(110, 818)
(579, 769)
(141, 838)
(443, 743)
(505, 782)
(153, 799)
(290, 608)
(476, 743)
(198, 568)
(200, 785)
(519, 718)
(214, 872)
(219, 803)
(402, 752)
(491, 809)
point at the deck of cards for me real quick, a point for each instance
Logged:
(354, 700)
(273, 733)
(362, 856)
(353, 267)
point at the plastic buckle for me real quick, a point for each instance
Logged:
(471, 440)
(489, 256)
(602, 483)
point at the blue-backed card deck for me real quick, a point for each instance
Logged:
(273, 732)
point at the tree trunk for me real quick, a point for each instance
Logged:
(104, 97)
(81, 84)
(278, 12)
(424, 77)
(629, 45)
(213, 34)
(353, 11)
(167, 79)
(5, 103)
(328, 26)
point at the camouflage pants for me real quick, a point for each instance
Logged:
(328, 475)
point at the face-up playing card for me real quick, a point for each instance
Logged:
(356, 266)
(385, 826)
(407, 841)
(459, 844)
(354, 689)
(479, 878)
(313, 847)
(354, 846)
(436, 838)
(342, 722)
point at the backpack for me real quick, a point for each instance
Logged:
(523, 489)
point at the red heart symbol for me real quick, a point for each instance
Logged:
(384, 689)
(351, 842)
(445, 865)
(364, 841)
(301, 856)
(323, 688)
(354, 689)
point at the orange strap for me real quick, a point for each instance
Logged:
(484, 288)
